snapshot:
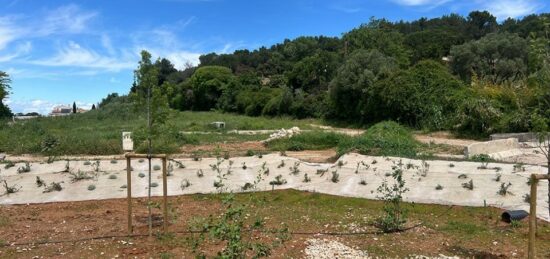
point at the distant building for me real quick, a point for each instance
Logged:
(61, 110)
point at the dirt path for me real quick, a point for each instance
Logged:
(445, 138)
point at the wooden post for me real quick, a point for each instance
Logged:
(165, 194)
(129, 190)
(533, 213)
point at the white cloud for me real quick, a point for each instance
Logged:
(75, 55)
(420, 2)
(69, 19)
(503, 9)
(8, 31)
(21, 49)
(40, 106)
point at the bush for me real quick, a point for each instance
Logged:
(383, 139)
(91, 187)
(314, 140)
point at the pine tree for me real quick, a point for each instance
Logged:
(74, 107)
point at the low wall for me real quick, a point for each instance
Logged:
(490, 147)
(522, 137)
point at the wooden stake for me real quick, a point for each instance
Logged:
(165, 194)
(533, 217)
(129, 190)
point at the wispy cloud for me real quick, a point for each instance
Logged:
(421, 2)
(66, 19)
(503, 9)
(75, 55)
(21, 49)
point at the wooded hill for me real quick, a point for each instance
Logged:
(467, 74)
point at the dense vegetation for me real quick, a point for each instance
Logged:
(4, 91)
(98, 132)
(467, 74)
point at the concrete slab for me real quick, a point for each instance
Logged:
(491, 147)
(351, 173)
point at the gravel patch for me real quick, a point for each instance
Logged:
(330, 249)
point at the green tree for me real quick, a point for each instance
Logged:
(208, 83)
(374, 36)
(5, 88)
(497, 57)
(424, 96)
(349, 89)
(481, 23)
(146, 89)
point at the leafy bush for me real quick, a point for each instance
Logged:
(395, 215)
(91, 187)
(383, 139)
(314, 140)
(279, 180)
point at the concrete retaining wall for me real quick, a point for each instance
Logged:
(493, 146)
(522, 137)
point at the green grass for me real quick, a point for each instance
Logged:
(383, 139)
(99, 132)
(314, 140)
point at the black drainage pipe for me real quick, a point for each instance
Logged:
(510, 215)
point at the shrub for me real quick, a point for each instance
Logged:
(123, 186)
(154, 185)
(383, 139)
(113, 177)
(469, 185)
(451, 165)
(314, 140)
(53, 187)
(247, 186)
(156, 167)
(363, 182)
(200, 173)
(462, 176)
(114, 161)
(439, 187)
(527, 198)
(250, 153)
(294, 170)
(40, 182)
(141, 175)
(184, 184)
(87, 163)
(79, 176)
(279, 180)
(335, 177)
(497, 178)
(24, 169)
(306, 179)
(282, 164)
(504, 189)
(9, 164)
(395, 215)
(9, 189)
(91, 187)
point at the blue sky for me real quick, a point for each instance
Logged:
(59, 51)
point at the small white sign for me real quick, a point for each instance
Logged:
(127, 142)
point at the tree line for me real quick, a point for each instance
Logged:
(467, 74)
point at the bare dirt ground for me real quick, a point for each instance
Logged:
(97, 229)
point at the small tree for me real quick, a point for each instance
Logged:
(74, 107)
(395, 216)
(93, 106)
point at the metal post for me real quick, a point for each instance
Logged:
(129, 190)
(533, 217)
(165, 194)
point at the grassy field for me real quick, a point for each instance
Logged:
(99, 132)
(451, 230)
